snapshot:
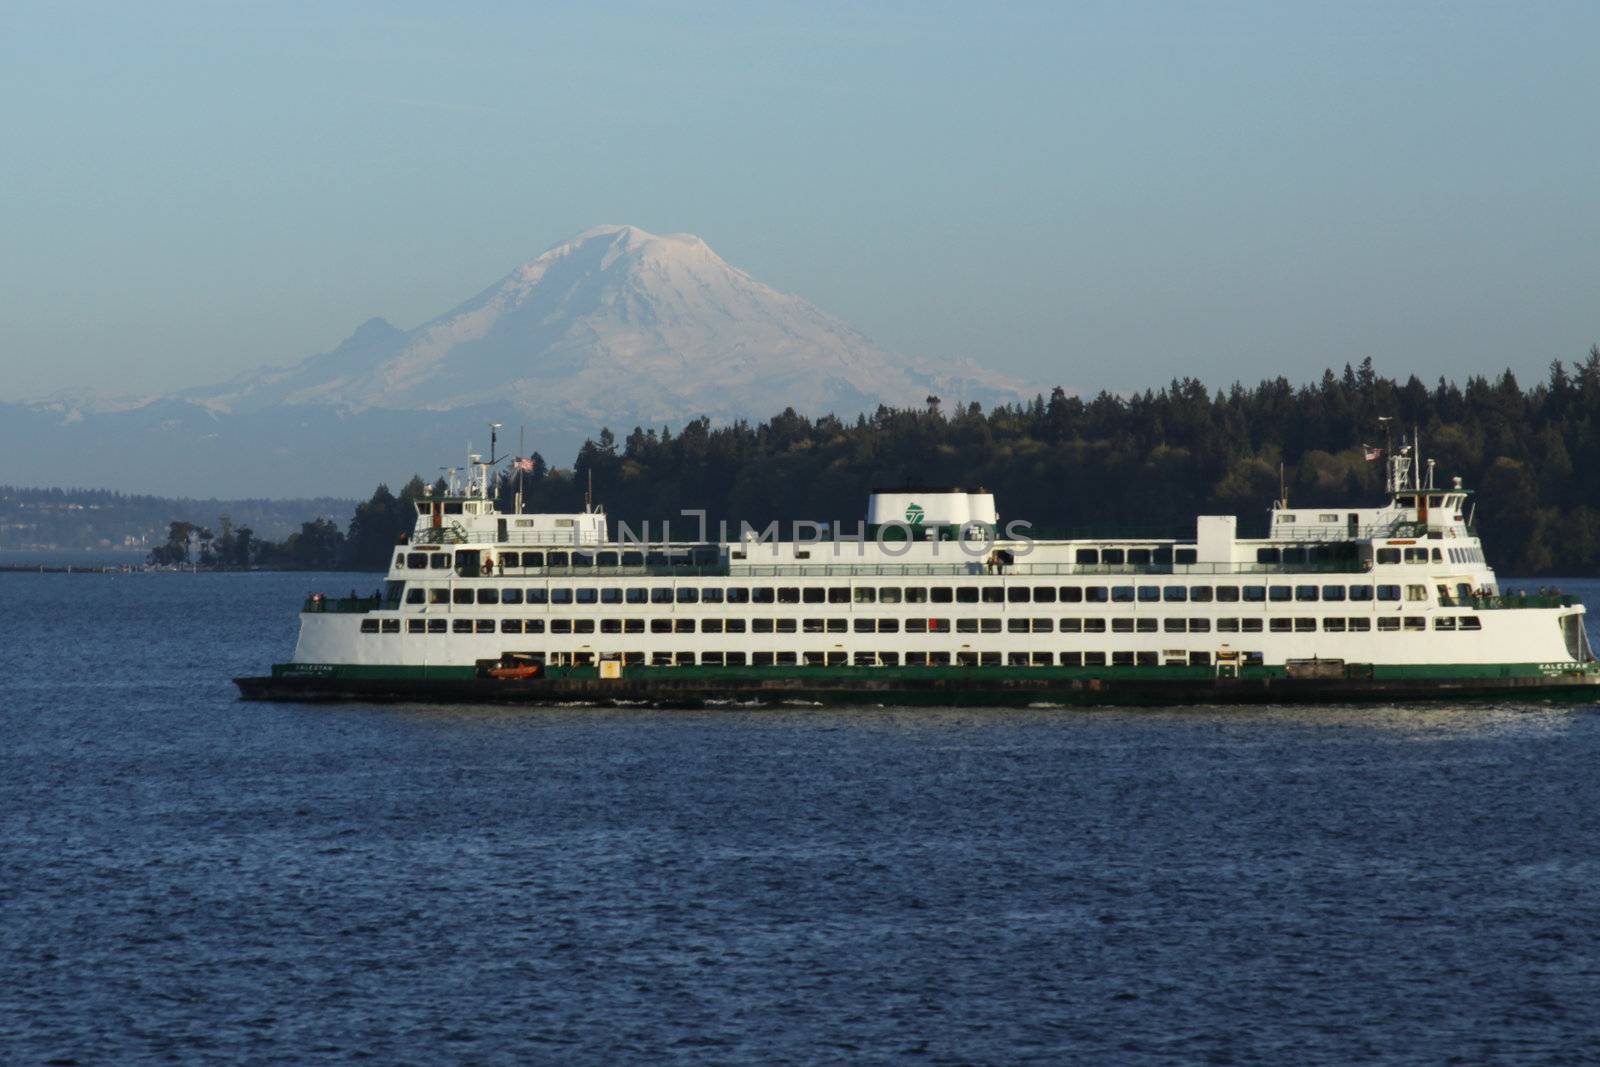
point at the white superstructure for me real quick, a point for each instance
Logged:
(934, 581)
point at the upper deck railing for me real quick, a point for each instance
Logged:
(1511, 600)
(460, 535)
(318, 604)
(972, 568)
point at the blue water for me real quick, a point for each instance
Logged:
(185, 878)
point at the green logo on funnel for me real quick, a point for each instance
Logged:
(914, 514)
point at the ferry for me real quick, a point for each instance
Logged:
(930, 600)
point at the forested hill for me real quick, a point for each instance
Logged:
(1151, 460)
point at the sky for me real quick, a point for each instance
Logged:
(1105, 196)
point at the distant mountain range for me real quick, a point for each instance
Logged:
(615, 327)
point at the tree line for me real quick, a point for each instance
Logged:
(1146, 463)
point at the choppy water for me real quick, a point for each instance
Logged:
(186, 878)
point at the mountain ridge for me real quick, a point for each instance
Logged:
(615, 326)
(613, 316)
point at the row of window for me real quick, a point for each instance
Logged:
(1299, 624)
(939, 594)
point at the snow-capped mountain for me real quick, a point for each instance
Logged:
(615, 327)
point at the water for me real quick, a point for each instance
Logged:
(185, 878)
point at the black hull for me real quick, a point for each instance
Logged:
(988, 691)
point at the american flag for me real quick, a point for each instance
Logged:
(522, 464)
(1372, 453)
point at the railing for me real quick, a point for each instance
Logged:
(318, 604)
(686, 570)
(901, 570)
(1510, 600)
(1340, 531)
(460, 535)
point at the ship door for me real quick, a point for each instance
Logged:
(438, 514)
(467, 563)
(500, 532)
(1353, 525)
(1227, 663)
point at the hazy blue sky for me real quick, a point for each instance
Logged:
(1105, 195)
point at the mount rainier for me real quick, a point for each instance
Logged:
(615, 327)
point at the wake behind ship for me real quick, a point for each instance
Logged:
(935, 603)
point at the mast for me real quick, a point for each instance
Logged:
(518, 508)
